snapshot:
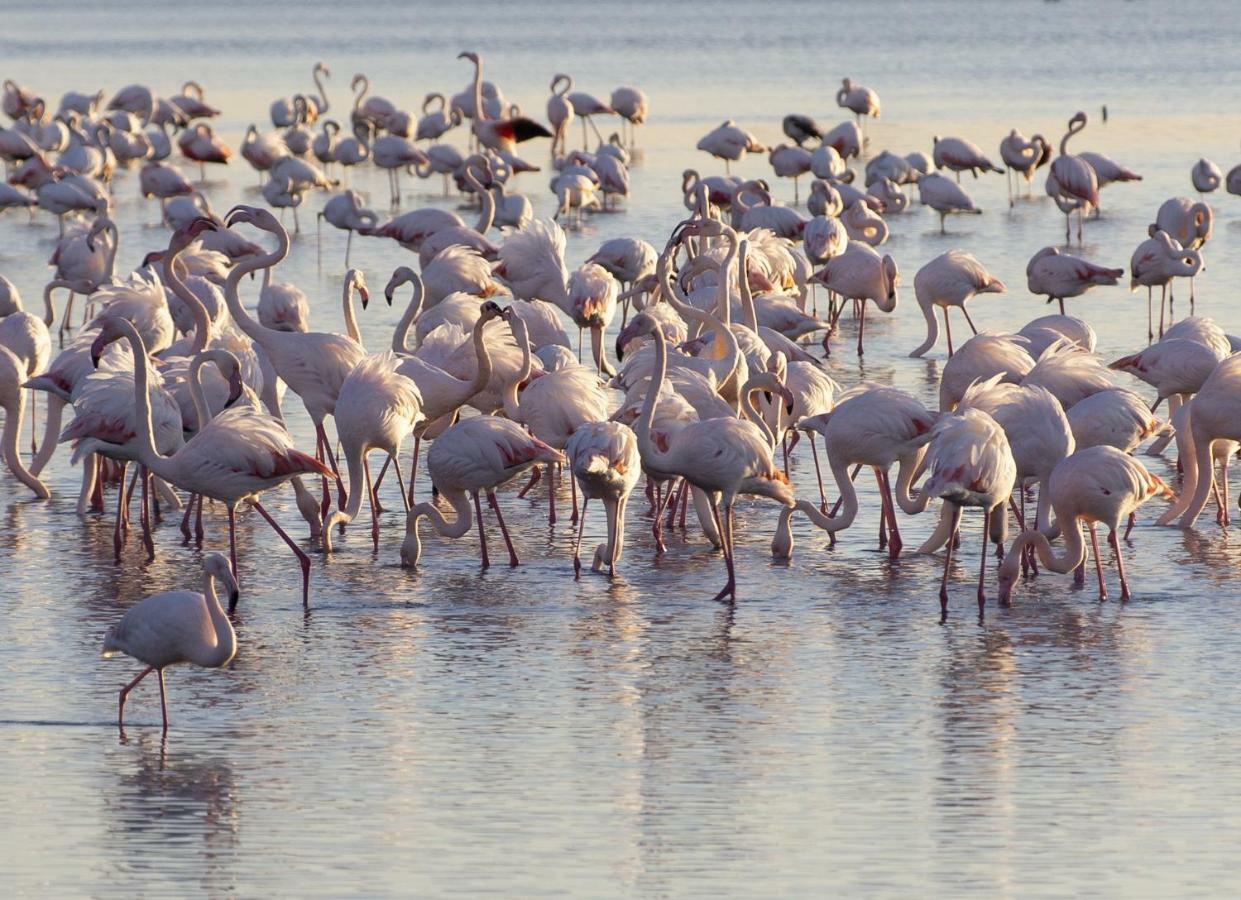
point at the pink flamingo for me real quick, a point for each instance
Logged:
(950, 279)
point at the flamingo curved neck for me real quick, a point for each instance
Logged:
(743, 290)
(355, 459)
(479, 115)
(651, 454)
(351, 320)
(932, 329)
(1072, 556)
(202, 321)
(148, 454)
(731, 355)
(400, 337)
(512, 404)
(225, 637)
(463, 518)
(908, 469)
(751, 412)
(487, 213)
(255, 330)
(323, 103)
(12, 455)
(51, 429)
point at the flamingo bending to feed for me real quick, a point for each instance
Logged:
(475, 455)
(724, 457)
(950, 279)
(971, 464)
(1095, 485)
(377, 407)
(1156, 261)
(604, 459)
(175, 627)
(860, 274)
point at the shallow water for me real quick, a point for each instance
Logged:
(519, 732)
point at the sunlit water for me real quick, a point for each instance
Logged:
(520, 732)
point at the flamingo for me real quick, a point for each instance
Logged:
(861, 101)
(959, 155)
(236, 456)
(723, 457)
(192, 102)
(1156, 261)
(313, 364)
(500, 135)
(800, 128)
(1071, 182)
(474, 456)
(1041, 333)
(730, 143)
(1206, 176)
(790, 162)
(284, 110)
(970, 464)
(979, 358)
(1107, 170)
(1023, 157)
(1095, 484)
(377, 407)
(163, 182)
(875, 426)
(631, 104)
(1186, 221)
(175, 627)
(202, 146)
(560, 111)
(1058, 276)
(262, 150)
(13, 375)
(393, 153)
(346, 212)
(435, 123)
(592, 304)
(553, 406)
(944, 197)
(1172, 366)
(950, 279)
(1116, 417)
(846, 139)
(604, 459)
(861, 274)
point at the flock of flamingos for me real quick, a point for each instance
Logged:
(719, 341)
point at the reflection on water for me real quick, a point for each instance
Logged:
(522, 732)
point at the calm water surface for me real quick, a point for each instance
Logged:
(517, 732)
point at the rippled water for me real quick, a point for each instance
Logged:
(520, 732)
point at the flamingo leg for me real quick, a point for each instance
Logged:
(400, 480)
(1098, 561)
(163, 698)
(577, 544)
(508, 541)
(232, 546)
(482, 534)
(1163, 299)
(535, 474)
(413, 471)
(861, 329)
(818, 474)
(185, 519)
(120, 716)
(883, 510)
(144, 513)
(302, 559)
(573, 496)
(380, 480)
(551, 496)
(947, 330)
(955, 519)
(1133, 520)
(894, 540)
(118, 535)
(370, 494)
(320, 440)
(968, 320)
(1120, 566)
(982, 567)
(1150, 315)
(724, 520)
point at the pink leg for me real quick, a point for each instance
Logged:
(551, 496)
(232, 545)
(396, 464)
(577, 545)
(982, 567)
(482, 534)
(724, 521)
(1120, 566)
(198, 523)
(320, 442)
(148, 539)
(1098, 561)
(370, 493)
(163, 698)
(883, 511)
(508, 541)
(380, 480)
(894, 540)
(120, 717)
(185, 520)
(573, 496)
(302, 559)
(943, 584)
(535, 475)
(413, 472)
(118, 535)
(861, 328)
(818, 475)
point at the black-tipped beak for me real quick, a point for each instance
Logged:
(233, 597)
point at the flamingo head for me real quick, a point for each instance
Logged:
(190, 232)
(468, 54)
(217, 566)
(110, 332)
(490, 310)
(400, 275)
(357, 279)
(252, 215)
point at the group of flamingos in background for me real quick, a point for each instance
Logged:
(713, 388)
